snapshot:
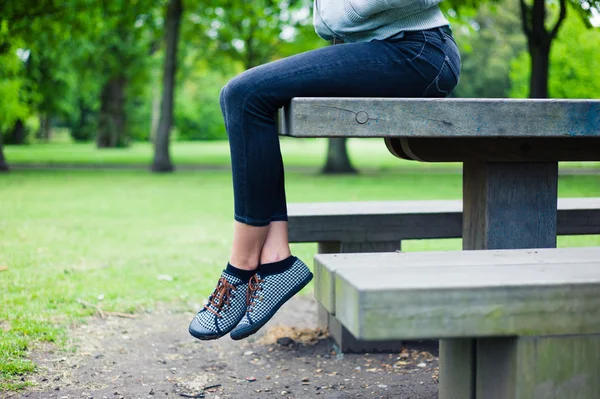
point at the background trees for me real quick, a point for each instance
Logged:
(94, 69)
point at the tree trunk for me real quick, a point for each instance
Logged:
(111, 123)
(17, 136)
(539, 41)
(337, 157)
(540, 63)
(3, 164)
(162, 159)
(44, 132)
(155, 117)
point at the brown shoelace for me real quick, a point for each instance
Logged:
(253, 288)
(221, 293)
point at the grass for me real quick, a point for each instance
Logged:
(365, 153)
(104, 236)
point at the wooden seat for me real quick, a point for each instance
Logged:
(379, 226)
(533, 315)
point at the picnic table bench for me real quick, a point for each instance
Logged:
(533, 315)
(510, 151)
(380, 226)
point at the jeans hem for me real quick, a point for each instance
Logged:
(251, 222)
(279, 218)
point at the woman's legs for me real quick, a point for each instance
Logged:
(276, 246)
(421, 64)
(408, 67)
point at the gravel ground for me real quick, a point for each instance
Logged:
(153, 356)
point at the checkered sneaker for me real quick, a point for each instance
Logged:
(266, 294)
(223, 311)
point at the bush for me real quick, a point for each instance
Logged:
(197, 110)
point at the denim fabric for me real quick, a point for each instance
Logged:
(418, 64)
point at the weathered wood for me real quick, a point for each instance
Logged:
(326, 267)
(495, 149)
(509, 205)
(370, 246)
(555, 367)
(342, 337)
(400, 220)
(347, 343)
(433, 117)
(457, 380)
(469, 301)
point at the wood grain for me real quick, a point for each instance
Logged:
(374, 264)
(330, 223)
(509, 205)
(470, 301)
(418, 117)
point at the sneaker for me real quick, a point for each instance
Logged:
(225, 308)
(271, 286)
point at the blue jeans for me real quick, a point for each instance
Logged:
(419, 64)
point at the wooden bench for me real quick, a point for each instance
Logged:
(512, 323)
(380, 226)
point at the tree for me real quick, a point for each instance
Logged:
(3, 164)
(128, 31)
(162, 160)
(338, 161)
(574, 64)
(248, 32)
(488, 42)
(539, 38)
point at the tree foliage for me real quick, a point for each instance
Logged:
(488, 41)
(574, 64)
(248, 32)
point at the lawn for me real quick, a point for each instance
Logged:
(110, 237)
(369, 154)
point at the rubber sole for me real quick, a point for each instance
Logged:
(206, 337)
(253, 328)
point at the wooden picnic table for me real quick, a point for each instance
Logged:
(510, 149)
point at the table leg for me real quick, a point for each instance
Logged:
(565, 367)
(505, 206)
(509, 205)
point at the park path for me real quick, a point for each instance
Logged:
(153, 356)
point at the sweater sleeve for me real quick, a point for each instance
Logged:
(366, 8)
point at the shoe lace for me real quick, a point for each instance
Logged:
(253, 288)
(220, 297)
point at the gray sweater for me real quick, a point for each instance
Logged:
(366, 20)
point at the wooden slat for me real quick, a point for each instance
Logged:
(412, 117)
(381, 221)
(521, 149)
(327, 265)
(530, 293)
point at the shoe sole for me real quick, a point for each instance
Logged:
(253, 328)
(206, 337)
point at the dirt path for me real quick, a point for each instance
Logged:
(155, 357)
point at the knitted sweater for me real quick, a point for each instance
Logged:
(366, 20)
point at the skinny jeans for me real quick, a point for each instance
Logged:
(418, 64)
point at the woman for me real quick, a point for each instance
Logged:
(392, 48)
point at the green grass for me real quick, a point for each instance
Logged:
(106, 236)
(365, 154)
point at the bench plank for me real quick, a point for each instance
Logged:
(522, 292)
(373, 221)
(434, 117)
(326, 266)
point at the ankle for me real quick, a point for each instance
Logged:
(276, 256)
(244, 263)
